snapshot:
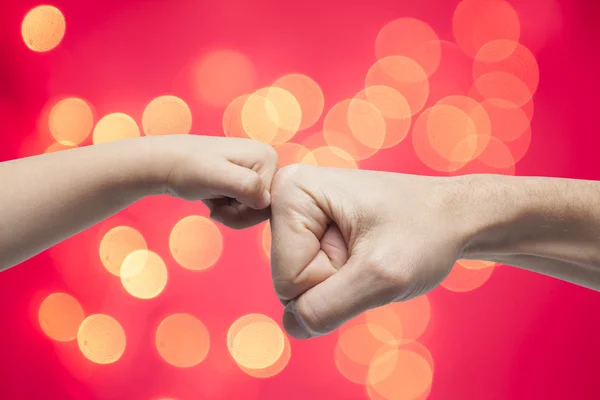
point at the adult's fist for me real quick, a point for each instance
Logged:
(345, 241)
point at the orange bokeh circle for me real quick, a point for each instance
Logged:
(255, 342)
(196, 242)
(144, 274)
(232, 118)
(101, 339)
(222, 75)
(477, 22)
(182, 340)
(167, 115)
(404, 75)
(463, 279)
(412, 38)
(70, 121)
(117, 244)
(510, 57)
(309, 95)
(43, 28)
(60, 315)
(330, 157)
(113, 127)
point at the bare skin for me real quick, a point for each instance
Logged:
(57, 195)
(346, 241)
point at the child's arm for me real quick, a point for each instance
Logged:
(50, 197)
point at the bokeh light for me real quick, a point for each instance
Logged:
(309, 95)
(508, 121)
(463, 279)
(497, 155)
(477, 22)
(510, 57)
(271, 115)
(291, 153)
(412, 38)
(399, 374)
(115, 126)
(144, 274)
(329, 157)
(117, 244)
(502, 85)
(223, 75)
(447, 128)
(404, 75)
(232, 118)
(167, 115)
(476, 264)
(54, 147)
(274, 368)
(70, 121)
(255, 341)
(101, 339)
(405, 320)
(338, 132)
(60, 315)
(43, 28)
(394, 110)
(196, 242)
(182, 340)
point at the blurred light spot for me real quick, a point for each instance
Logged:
(260, 118)
(425, 151)
(274, 368)
(309, 95)
(406, 320)
(232, 118)
(404, 75)
(330, 157)
(60, 316)
(399, 374)
(43, 28)
(478, 167)
(57, 147)
(497, 155)
(476, 264)
(255, 341)
(412, 38)
(477, 22)
(182, 340)
(117, 244)
(271, 115)
(291, 153)
(196, 242)
(223, 75)
(510, 57)
(366, 123)
(502, 85)
(115, 126)
(266, 239)
(339, 134)
(70, 121)
(508, 121)
(167, 115)
(144, 274)
(314, 141)
(394, 109)
(470, 146)
(462, 279)
(356, 347)
(447, 128)
(101, 339)
(385, 317)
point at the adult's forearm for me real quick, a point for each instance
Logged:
(50, 197)
(547, 225)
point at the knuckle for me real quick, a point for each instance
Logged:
(287, 177)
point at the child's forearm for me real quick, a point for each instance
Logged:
(50, 197)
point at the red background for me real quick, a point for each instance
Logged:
(520, 336)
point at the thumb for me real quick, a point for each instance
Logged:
(354, 289)
(243, 184)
